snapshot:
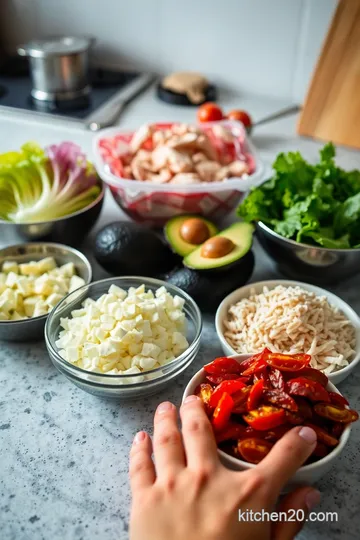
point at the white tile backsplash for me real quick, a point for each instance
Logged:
(260, 46)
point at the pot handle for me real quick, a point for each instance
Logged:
(22, 50)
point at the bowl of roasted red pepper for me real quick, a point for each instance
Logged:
(253, 400)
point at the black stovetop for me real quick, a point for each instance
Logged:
(15, 88)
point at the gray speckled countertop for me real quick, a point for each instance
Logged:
(64, 453)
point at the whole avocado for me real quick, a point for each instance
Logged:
(126, 248)
(208, 290)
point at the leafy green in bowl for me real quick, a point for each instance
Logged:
(39, 184)
(313, 204)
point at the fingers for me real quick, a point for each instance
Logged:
(141, 469)
(297, 506)
(288, 454)
(168, 446)
(199, 440)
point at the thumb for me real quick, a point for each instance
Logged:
(297, 506)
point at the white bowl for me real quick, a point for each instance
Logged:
(309, 474)
(244, 292)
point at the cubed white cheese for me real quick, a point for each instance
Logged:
(75, 283)
(10, 266)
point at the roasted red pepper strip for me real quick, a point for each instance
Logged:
(240, 399)
(217, 379)
(310, 389)
(322, 435)
(222, 412)
(232, 432)
(321, 450)
(204, 392)
(226, 386)
(288, 362)
(265, 417)
(304, 407)
(222, 365)
(338, 399)
(258, 362)
(281, 399)
(335, 413)
(276, 378)
(253, 450)
(255, 395)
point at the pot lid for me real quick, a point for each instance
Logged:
(41, 48)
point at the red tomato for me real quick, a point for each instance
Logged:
(240, 399)
(204, 392)
(240, 116)
(222, 412)
(265, 417)
(255, 394)
(337, 429)
(281, 399)
(288, 362)
(255, 364)
(294, 418)
(322, 435)
(222, 365)
(276, 379)
(313, 375)
(276, 433)
(253, 450)
(312, 390)
(209, 112)
(217, 379)
(232, 432)
(226, 386)
(338, 399)
(335, 413)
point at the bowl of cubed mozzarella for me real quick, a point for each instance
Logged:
(34, 278)
(124, 337)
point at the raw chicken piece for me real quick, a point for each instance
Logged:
(238, 168)
(143, 134)
(177, 162)
(161, 137)
(199, 156)
(185, 178)
(128, 172)
(222, 173)
(186, 142)
(141, 165)
(204, 145)
(223, 133)
(207, 170)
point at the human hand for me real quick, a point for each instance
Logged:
(192, 496)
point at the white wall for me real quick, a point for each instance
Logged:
(260, 46)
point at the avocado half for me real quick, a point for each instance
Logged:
(172, 231)
(240, 234)
(208, 289)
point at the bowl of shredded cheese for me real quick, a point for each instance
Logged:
(291, 317)
(124, 337)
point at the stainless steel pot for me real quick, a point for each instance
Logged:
(59, 67)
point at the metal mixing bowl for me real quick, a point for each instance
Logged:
(308, 263)
(33, 328)
(68, 229)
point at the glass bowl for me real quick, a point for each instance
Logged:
(123, 386)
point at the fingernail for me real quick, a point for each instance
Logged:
(312, 498)
(163, 407)
(308, 435)
(139, 437)
(191, 398)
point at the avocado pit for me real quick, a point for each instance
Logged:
(217, 247)
(194, 231)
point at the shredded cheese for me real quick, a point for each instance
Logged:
(292, 320)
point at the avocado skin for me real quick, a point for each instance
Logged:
(209, 289)
(126, 248)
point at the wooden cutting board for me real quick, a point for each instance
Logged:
(331, 110)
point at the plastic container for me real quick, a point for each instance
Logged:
(153, 204)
